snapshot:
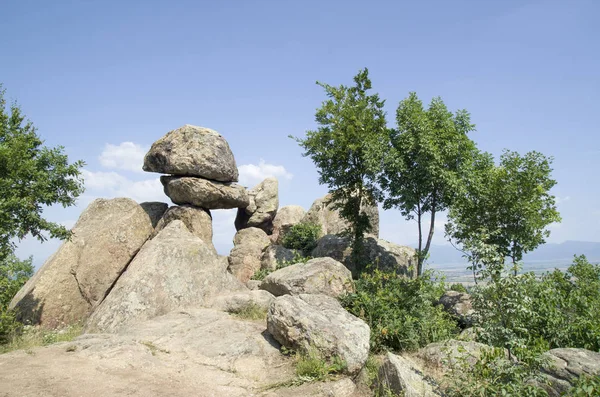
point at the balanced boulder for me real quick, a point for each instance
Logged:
(317, 276)
(78, 276)
(305, 322)
(204, 193)
(193, 151)
(262, 208)
(245, 257)
(197, 220)
(286, 217)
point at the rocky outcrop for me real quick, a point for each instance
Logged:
(379, 254)
(443, 354)
(323, 213)
(192, 151)
(286, 217)
(197, 220)
(403, 377)
(172, 271)
(276, 255)
(262, 207)
(78, 276)
(238, 301)
(305, 322)
(458, 304)
(246, 255)
(204, 193)
(565, 366)
(317, 276)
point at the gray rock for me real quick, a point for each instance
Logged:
(253, 285)
(204, 193)
(155, 210)
(78, 276)
(197, 220)
(286, 217)
(275, 255)
(317, 276)
(403, 377)
(458, 304)
(264, 201)
(443, 354)
(172, 271)
(246, 255)
(234, 302)
(305, 322)
(566, 365)
(192, 151)
(378, 253)
(323, 213)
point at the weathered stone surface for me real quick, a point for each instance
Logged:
(204, 193)
(264, 201)
(566, 365)
(306, 321)
(458, 304)
(323, 213)
(337, 388)
(192, 151)
(286, 217)
(197, 220)
(155, 210)
(77, 277)
(317, 276)
(253, 285)
(378, 253)
(274, 255)
(172, 271)
(441, 354)
(234, 302)
(246, 255)
(404, 378)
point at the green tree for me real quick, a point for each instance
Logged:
(31, 176)
(347, 150)
(429, 155)
(510, 204)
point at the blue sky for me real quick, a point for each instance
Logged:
(106, 79)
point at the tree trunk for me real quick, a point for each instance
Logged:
(419, 258)
(429, 238)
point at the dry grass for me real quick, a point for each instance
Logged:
(37, 336)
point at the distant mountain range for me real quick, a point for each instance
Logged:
(547, 253)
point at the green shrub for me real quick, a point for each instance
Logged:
(302, 236)
(401, 312)
(312, 366)
(586, 386)
(37, 336)
(458, 288)
(14, 273)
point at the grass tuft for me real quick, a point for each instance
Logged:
(35, 336)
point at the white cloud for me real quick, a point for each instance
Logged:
(127, 156)
(562, 199)
(223, 230)
(112, 184)
(251, 174)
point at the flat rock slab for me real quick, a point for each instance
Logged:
(200, 352)
(204, 193)
(192, 151)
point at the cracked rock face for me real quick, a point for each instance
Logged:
(78, 276)
(193, 151)
(204, 193)
(404, 378)
(566, 365)
(264, 201)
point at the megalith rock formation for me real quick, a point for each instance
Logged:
(204, 193)
(245, 257)
(286, 217)
(76, 278)
(197, 220)
(262, 208)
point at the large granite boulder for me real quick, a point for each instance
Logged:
(323, 213)
(459, 305)
(566, 365)
(317, 276)
(76, 278)
(197, 220)
(403, 377)
(246, 255)
(276, 255)
(442, 355)
(286, 217)
(204, 193)
(264, 201)
(192, 151)
(174, 270)
(307, 321)
(378, 253)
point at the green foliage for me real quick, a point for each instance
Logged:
(458, 288)
(493, 374)
(302, 236)
(586, 386)
(31, 337)
(13, 275)
(298, 258)
(428, 157)
(401, 312)
(508, 207)
(347, 148)
(31, 176)
(312, 366)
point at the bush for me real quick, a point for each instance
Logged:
(586, 386)
(458, 288)
(401, 312)
(14, 273)
(312, 366)
(302, 236)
